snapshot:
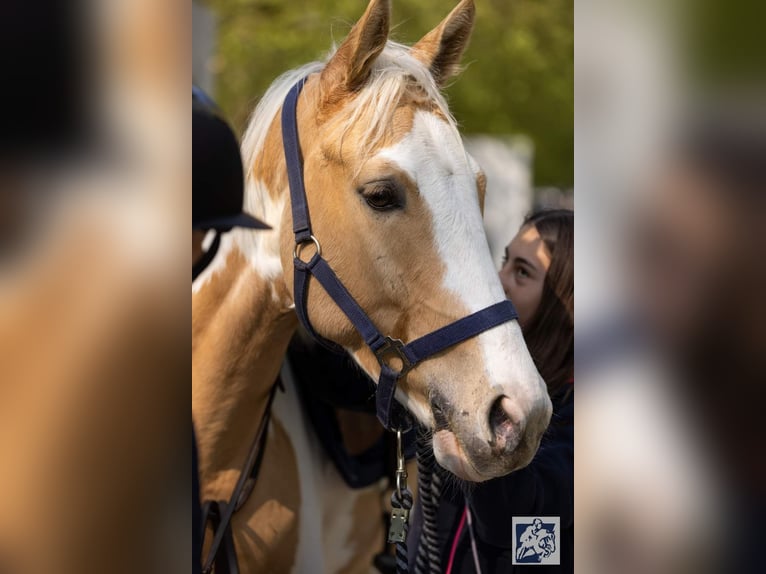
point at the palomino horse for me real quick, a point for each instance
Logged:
(397, 204)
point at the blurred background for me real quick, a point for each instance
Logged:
(670, 160)
(514, 100)
(95, 203)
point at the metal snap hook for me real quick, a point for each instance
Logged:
(401, 468)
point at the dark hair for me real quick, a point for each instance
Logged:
(550, 332)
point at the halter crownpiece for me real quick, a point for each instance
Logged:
(391, 414)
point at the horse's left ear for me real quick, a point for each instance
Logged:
(442, 48)
(350, 67)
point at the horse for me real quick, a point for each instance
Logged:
(397, 203)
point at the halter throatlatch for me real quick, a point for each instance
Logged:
(391, 414)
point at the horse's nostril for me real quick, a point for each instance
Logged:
(501, 423)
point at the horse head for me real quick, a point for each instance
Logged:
(397, 203)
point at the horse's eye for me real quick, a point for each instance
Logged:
(382, 195)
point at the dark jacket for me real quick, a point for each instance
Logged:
(543, 488)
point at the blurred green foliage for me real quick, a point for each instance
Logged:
(518, 77)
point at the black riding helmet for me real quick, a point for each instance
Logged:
(218, 184)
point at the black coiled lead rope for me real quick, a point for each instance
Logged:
(401, 504)
(429, 491)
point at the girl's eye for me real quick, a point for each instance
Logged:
(521, 272)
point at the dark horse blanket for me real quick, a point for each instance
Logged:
(327, 381)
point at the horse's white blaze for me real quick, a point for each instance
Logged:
(432, 154)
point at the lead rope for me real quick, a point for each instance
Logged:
(429, 490)
(401, 504)
(433, 541)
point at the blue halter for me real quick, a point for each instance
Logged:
(391, 414)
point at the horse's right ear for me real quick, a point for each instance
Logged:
(349, 67)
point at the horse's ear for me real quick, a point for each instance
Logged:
(442, 48)
(350, 66)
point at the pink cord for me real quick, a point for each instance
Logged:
(455, 541)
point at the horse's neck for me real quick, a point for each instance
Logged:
(241, 326)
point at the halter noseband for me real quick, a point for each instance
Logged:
(391, 414)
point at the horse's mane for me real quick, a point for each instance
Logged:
(257, 128)
(392, 73)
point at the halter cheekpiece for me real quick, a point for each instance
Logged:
(391, 414)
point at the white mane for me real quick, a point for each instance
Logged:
(257, 128)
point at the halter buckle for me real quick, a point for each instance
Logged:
(394, 347)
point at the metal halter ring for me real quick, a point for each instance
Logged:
(299, 246)
(394, 348)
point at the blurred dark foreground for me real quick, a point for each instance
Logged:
(95, 200)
